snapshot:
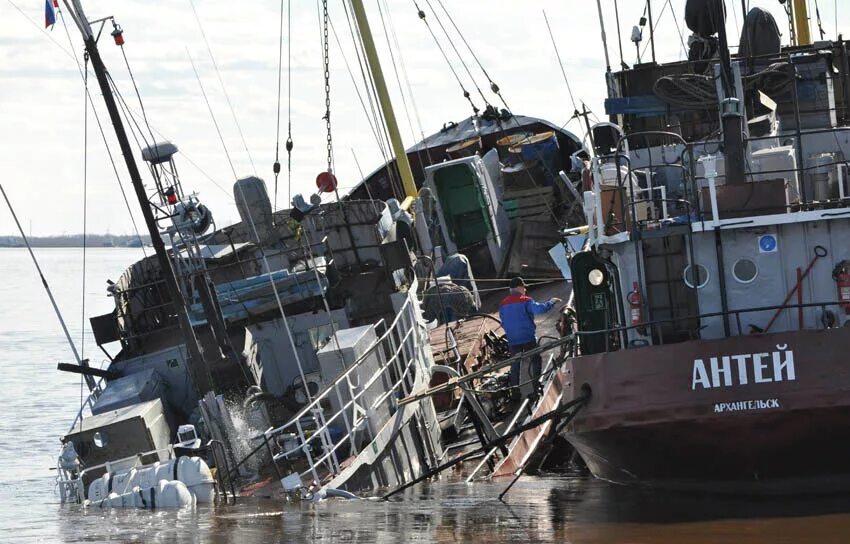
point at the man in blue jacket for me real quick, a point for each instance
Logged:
(517, 312)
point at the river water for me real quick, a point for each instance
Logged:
(39, 403)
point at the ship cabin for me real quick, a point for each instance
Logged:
(694, 234)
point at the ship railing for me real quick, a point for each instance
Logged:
(71, 482)
(807, 197)
(654, 326)
(665, 140)
(87, 404)
(399, 351)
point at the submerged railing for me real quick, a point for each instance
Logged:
(325, 440)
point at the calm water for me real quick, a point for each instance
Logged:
(39, 403)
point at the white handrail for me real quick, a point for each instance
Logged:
(90, 400)
(404, 343)
(344, 376)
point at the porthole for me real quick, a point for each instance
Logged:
(695, 275)
(745, 271)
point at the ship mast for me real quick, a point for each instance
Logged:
(197, 365)
(800, 20)
(731, 108)
(374, 62)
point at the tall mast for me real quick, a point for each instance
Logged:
(801, 22)
(197, 366)
(384, 99)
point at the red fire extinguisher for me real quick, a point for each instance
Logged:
(841, 275)
(635, 310)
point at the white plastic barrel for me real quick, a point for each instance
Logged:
(193, 472)
(165, 494)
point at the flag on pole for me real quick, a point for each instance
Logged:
(49, 14)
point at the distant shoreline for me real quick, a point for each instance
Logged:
(76, 241)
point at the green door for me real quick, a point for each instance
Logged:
(463, 205)
(595, 303)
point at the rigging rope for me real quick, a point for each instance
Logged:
(459, 56)
(371, 93)
(41, 276)
(406, 79)
(369, 120)
(289, 143)
(564, 73)
(679, 30)
(127, 112)
(276, 165)
(85, 205)
(493, 86)
(136, 89)
(253, 228)
(623, 64)
(130, 119)
(446, 57)
(398, 79)
(223, 88)
(497, 91)
(85, 221)
(654, 27)
(215, 122)
(817, 16)
(84, 77)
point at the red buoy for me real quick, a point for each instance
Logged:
(326, 182)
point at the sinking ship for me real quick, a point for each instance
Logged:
(272, 351)
(270, 357)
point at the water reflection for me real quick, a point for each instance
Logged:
(566, 509)
(39, 402)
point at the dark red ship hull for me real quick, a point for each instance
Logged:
(673, 417)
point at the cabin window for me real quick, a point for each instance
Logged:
(696, 276)
(745, 271)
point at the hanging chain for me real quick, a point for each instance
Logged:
(327, 83)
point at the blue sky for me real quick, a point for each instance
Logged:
(42, 109)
